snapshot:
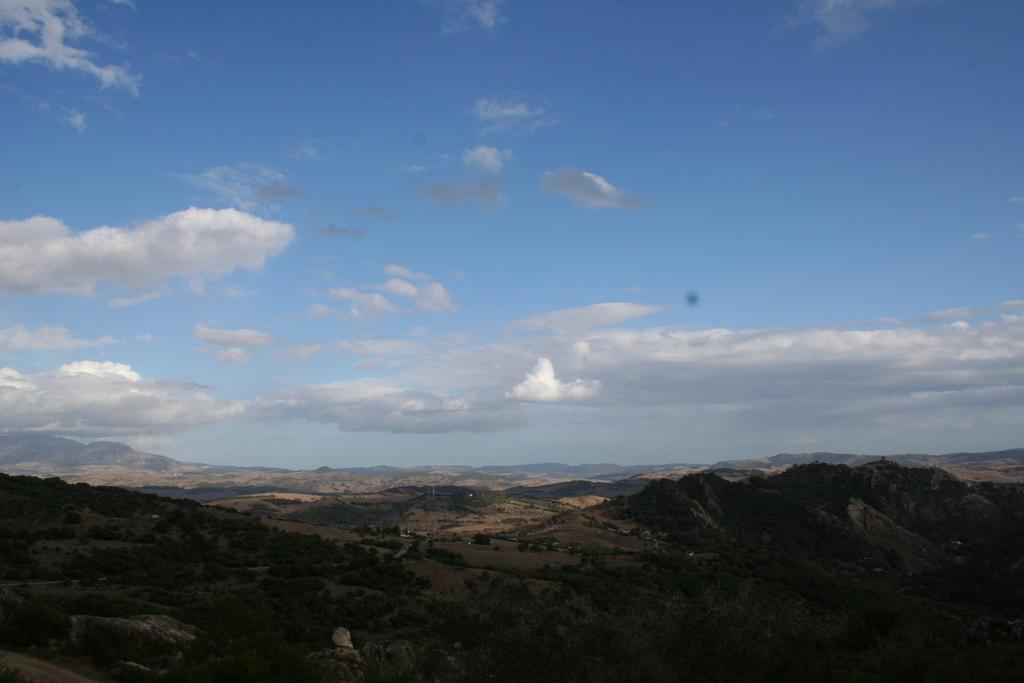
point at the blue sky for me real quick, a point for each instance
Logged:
(473, 231)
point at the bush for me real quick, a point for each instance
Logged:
(32, 622)
(8, 675)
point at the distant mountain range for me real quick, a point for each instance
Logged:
(61, 453)
(108, 462)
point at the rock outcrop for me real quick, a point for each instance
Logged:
(341, 663)
(344, 664)
(147, 638)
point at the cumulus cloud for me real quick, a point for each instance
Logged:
(234, 355)
(825, 382)
(370, 301)
(431, 297)
(459, 16)
(586, 189)
(485, 158)
(541, 385)
(45, 338)
(364, 304)
(41, 254)
(95, 399)
(378, 405)
(575, 320)
(508, 116)
(240, 337)
(100, 368)
(46, 32)
(488, 192)
(841, 21)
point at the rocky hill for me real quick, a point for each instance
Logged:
(1001, 466)
(893, 517)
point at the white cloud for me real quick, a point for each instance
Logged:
(767, 383)
(586, 189)
(541, 385)
(508, 116)
(979, 236)
(232, 355)
(76, 120)
(241, 337)
(96, 368)
(45, 338)
(1018, 199)
(841, 21)
(431, 297)
(364, 304)
(377, 405)
(401, 271)
(127, 301)
(103, 399)
(432, 163)
(245, 186)
(584, 318)
(41, 254)
(959, 312)
(400, 287)
(43, 31)
(428, 296)
(459, 16)
(489, 159)
(320, 311)
(380, 347)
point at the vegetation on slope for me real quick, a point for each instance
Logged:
(823, 572)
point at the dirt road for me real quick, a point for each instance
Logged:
(38, 670)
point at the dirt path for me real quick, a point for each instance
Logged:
(41, 671)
